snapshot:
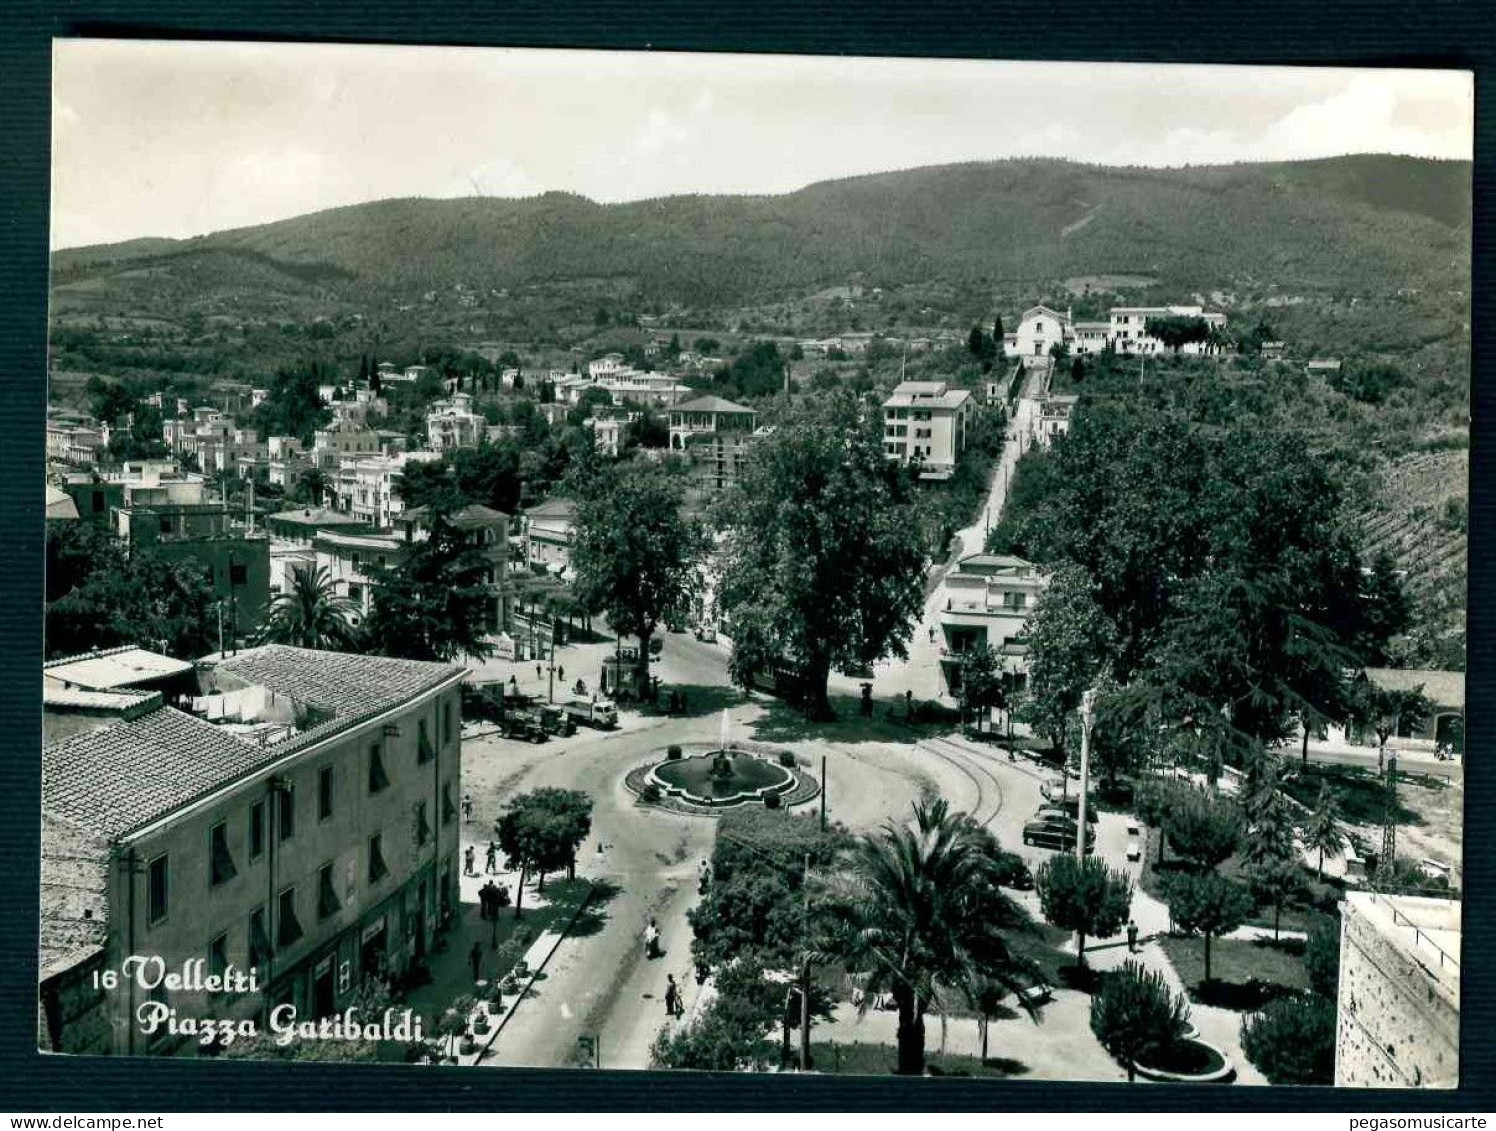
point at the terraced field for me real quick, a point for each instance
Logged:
(1419, 519)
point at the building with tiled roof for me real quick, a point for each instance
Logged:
(548, 532)
(924, 425)
(299, 816)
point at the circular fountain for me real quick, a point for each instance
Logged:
(722, 776)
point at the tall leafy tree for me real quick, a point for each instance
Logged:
(982, 684)
(924, 914)
(1207, 904)
(1086, 897)
(1136, 1016)
(1070, 642)
(311, 614)
(433, 603)
(1322, 832)
(1204, 829)
(101, 598)
(824, 562)
(1388, 711)
(636, 552)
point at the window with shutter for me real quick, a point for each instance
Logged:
(287, 927)
(423, 826)
(378, 870)
(220, 860)
(260, 949)
(424, 752)
(378, 779)
(327, 895)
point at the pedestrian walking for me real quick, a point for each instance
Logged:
(1132, 936)
(538, 669)
(467, 808)
(561, 674)
(491, 866)
(467, 862)
(485, 901)
(475, 956)
(672, 996)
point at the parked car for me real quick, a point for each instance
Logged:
(557, 720)
(1134, 843)
(523, 726)
(1070, 806)
(600, 714)
(1053, 789)
(1058, 836)
(706, 634)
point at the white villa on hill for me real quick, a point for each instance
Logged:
(1041, 328)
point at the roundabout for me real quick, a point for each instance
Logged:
(708, 778)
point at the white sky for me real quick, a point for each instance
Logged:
(180, 139)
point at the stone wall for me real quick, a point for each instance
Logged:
(1398, 1024)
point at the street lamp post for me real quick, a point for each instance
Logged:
(1087, 718)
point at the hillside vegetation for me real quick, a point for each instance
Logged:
(1356, 225)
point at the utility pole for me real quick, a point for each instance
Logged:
(219, 606)
(1087, 716)
(823, 793)
(805, 976)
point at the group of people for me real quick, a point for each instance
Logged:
(491, 897)
(491, 860)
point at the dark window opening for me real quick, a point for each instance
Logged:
(449, 810)
(378, 870)
(324, 793)
(423, 826)
(286, 813)
(218, 958)
(287, 927)
(157, 901)
(424, 752)
(220, 860)
(260, 949)
(327, 896)
(378, 779)
(256, 830)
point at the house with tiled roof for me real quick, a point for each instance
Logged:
(548, 532)
(716, 435)
(297, 816)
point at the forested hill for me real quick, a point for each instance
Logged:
(1357, 224)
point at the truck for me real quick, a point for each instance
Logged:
(600, 714)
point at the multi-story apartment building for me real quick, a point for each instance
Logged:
(1053, 417)
(352, 559)
(453, 424)
(74, 443)
(485, 530)
(342, 440)
(549, 530)
(205, 535)
(716, 435)
(610, 431)
(986, 601)
(364, 486)
(299, 821)
(924, 422)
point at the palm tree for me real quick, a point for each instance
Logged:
(1322, 832)
(311, 615)
(926, 917)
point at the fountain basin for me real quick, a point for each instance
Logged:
(1190, 1061)
(691, 779)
